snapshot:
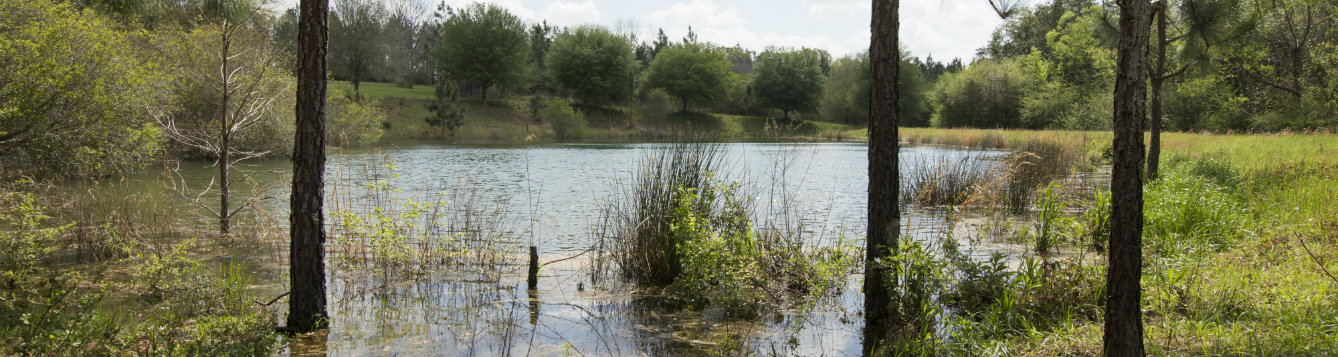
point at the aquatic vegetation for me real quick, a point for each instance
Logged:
(171, 304)
(698, 235)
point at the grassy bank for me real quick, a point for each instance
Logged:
(1240, 235)
(508, 119)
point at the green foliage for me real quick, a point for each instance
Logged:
(177, 307)
(74, 94)
(719, 253)
(1095, 222)
(1026, 30)
(988, 94)
(567, 123)
(593, 63)
(1186, 211)
(353, 123)
(1200, 103)
(694, 72)
(846, 97)
(261, 92)
(1051, 225)
(446, 114)
(788, 80)
(484, 44)
(24, 236)
(1080, 57)
(357, 45)
(655, 106)
(919, 277)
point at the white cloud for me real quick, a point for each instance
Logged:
(513, 6)
(837, 8)
(572, 13)
(724, 26)
(699, 13)
(946, 28)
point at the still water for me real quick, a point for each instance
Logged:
(550, 196)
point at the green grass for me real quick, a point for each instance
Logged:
(385, 90)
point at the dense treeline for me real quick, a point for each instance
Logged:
(1227, 65)
(1218, 65)
(98, 87)
(213, 79)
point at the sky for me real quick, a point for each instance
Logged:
(945, 29)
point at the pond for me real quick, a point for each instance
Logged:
(550, 196)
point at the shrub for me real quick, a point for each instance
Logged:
(989, 94)
(74, 94)
(353, 123)
(567, 123)
(1201, 103)
(655, 107)
(678, 226)
(717, 249)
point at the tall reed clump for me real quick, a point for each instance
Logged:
(947, 180)
(1038, 163)
(378, 227)
(680, 226)
(640, 219)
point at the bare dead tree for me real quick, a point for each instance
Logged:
(246, 98)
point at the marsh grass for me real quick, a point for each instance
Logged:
(1238, 241)
(377, 226)
(679, 224)
(944, 180)
(111, 275)
(637, 222)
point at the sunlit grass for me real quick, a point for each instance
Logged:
(385, 90)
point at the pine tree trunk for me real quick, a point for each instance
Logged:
(1124, 317)
(306, 304)
(884, 218)
(1158, 77)
(224, 136)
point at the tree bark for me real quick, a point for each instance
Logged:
(357, 94)
(1158, 77)
(306, 305)
(224, 134)
(1124, 318)
(884, 215)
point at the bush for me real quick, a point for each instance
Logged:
(567, 123)
(73, 93)
(184, 309)
(717, 249)
(680, 227)
(1201, 103)
(655, 106)
(353, 123)
(989, 94)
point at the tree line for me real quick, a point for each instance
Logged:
(1220, 65)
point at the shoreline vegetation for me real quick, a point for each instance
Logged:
(1240, 236)
(1008, 231)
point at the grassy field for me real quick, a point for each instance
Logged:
(385, 90)
(1241, 232)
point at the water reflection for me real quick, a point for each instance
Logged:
(549, 195)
